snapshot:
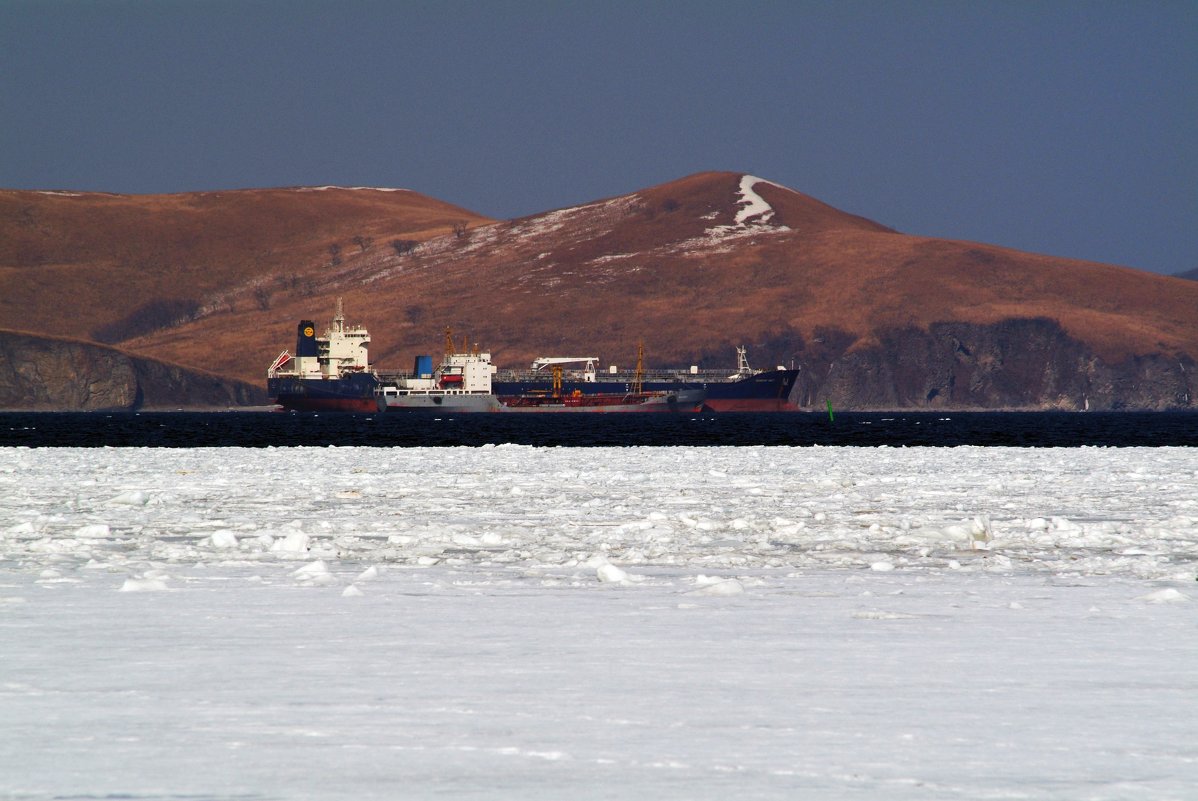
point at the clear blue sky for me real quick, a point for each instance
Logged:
(1068, 128)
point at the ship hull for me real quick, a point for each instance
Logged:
(673, 401)
(688, 401)
(352, 394)
(442, 404)
(768, 391)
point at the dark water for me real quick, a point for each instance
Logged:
(268, 429)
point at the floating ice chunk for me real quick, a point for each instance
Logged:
(1166, 596)
(876, 615)
(721, 587)
(94, 530)
(351, 592)
(132, 498)
(975, 534)
(369, 574)
(610, 574)
(295, 542)
(143, 585)
(312, 569)
(882, 567)
(315, 573)
(349, 494)
(223, 539)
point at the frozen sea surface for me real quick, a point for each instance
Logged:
(519, 622)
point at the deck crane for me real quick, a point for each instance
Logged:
(588, 370)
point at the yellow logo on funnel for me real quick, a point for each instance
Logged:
(308, 331)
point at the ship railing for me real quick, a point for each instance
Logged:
(681, 376)
(276, 366)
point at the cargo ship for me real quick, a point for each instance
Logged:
(744, 390)
(333, 373)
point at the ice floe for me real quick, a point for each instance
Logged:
(1074, 511)
(841, 623)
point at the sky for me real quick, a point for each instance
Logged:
(1065, 128)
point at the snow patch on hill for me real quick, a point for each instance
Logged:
(753, 219)
(754, 204)
(351, 189)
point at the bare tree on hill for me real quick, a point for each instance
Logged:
(404, 246)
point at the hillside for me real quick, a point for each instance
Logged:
(109, 267)
(876, 318)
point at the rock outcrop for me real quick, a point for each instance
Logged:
(51, 374)
(1028, 363)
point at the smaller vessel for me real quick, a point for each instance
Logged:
(462, 383)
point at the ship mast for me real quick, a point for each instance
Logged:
(638, 380)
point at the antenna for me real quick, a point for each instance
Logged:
(339, 318)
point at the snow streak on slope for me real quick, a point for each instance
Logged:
(753, 219)
(754, 204)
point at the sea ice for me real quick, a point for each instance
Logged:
(642, 622)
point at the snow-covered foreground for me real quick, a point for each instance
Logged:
(517, 622)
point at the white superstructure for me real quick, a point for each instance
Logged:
(342, 349)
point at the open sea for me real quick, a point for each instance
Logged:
(282, 429)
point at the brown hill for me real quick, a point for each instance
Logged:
(108, 267)
(877, 319)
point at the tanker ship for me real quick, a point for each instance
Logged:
(333, 373)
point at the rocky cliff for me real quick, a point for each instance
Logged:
(50, 374)
(1029, 363)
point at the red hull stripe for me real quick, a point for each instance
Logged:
(748, 405)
